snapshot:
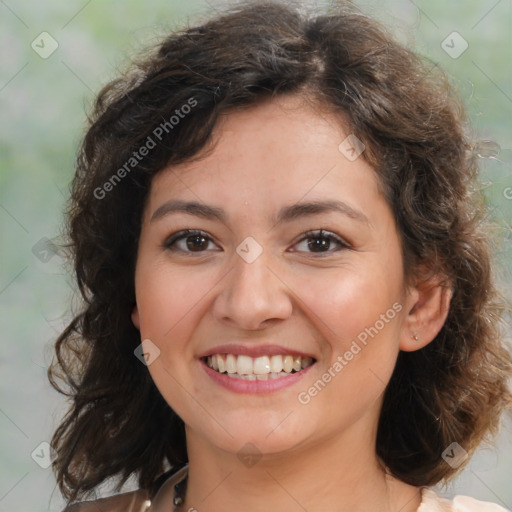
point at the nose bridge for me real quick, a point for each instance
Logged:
(251, 292)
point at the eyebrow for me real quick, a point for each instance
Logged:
(286, 213)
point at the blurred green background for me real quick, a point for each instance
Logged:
(43, 100)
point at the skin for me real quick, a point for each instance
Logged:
(316, 456)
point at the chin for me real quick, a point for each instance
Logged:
(235, 431)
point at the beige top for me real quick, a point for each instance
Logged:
(137, 501)
(431, 502)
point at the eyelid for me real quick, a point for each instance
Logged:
(317, 233)
(324, 233)
(184, 233)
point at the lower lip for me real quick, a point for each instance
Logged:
(254, 386)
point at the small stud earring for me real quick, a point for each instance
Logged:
(415, 337)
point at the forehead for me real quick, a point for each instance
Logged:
(280, 151)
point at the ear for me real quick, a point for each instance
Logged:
(427, 305)
(135, 317)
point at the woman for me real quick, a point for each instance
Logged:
(288, 301)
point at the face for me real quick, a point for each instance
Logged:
(256, 283)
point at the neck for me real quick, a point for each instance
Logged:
(341, 473)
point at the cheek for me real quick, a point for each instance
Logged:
(359, 318)
(351, 301)
(358, 314)
(168, 298)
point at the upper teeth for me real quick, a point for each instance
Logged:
(246, 365)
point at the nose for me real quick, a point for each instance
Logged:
(252, 295)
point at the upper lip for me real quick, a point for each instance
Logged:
(254, 351)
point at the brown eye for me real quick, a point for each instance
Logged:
(321, 241)
(190, 240)
(196, 242)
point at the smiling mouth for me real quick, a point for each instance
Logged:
(257, 368)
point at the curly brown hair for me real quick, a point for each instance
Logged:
(404, 110)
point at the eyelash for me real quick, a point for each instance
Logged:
(316, 234)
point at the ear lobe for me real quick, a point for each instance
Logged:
(135, 317)
(429, 303)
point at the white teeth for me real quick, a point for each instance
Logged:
(231, 363)
(267, 376)
(288, 364)
(244, 365)
(243, 377)
(261, 365)
(276, 364)
(258, 368)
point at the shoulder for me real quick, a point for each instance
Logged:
(135, 501)
(463, 503)
(431, 502)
